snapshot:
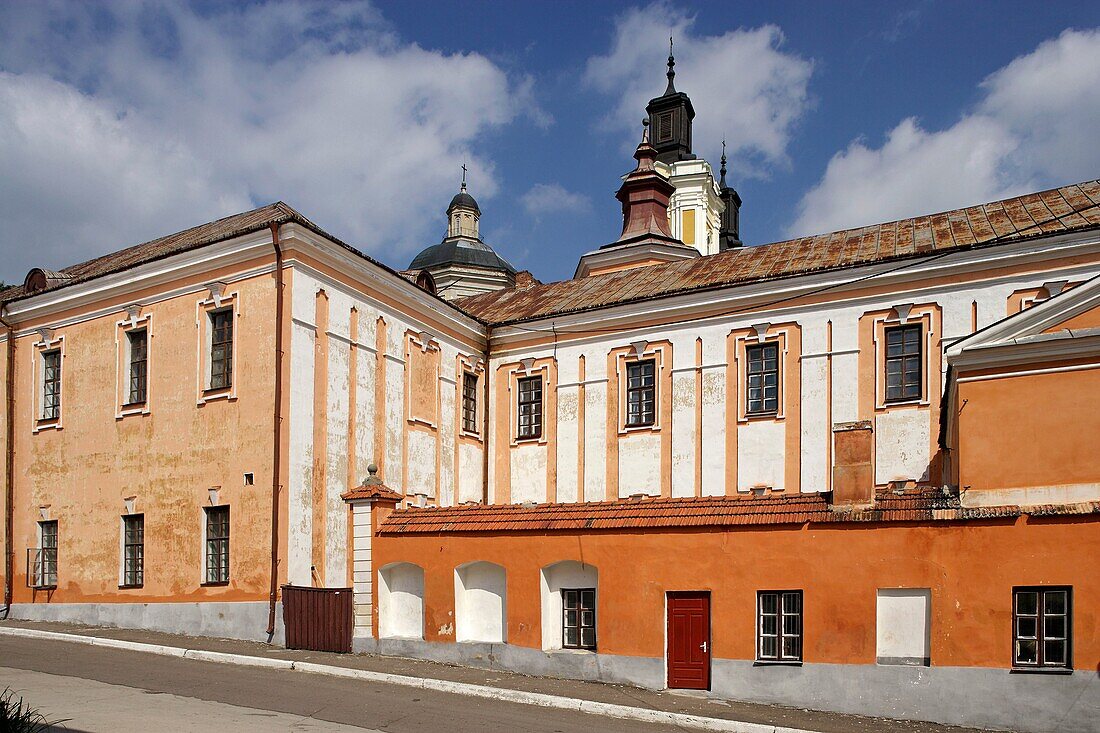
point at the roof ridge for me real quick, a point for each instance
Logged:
(926, 234)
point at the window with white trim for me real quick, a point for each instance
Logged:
(217, 544)
(779, 626)
(529, 408)
(641, 393)
(51, 384)
(762, 379)
(221, 349)
(903, 363)
(1041, 627)
(138, 385)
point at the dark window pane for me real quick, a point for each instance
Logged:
(763, 371)
(1027, 627)
(903, 362)
(1054, 652)
(1027, 602)
(1055, 601)
(641, 393)
(1025, 652)
(530, 407)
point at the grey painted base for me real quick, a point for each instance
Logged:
(578, 665)
(240, 620)
(971, 696)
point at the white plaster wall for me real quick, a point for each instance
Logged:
(472, 477)
(760, 454)
(567, 488)
(595, 439)
(714, 413)
(336, 457)
(639, 464)
(902, 445)
(300, 457)
(366, 368)
(401, 601)
(815, 428)
(480, 603)
(528, 473)
(903, 619)
(362, 574)
(447, 419)
(422, 456)
(846, 365)
(394, 443)
(683, 434)
(552, 578)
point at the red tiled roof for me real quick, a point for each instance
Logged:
(371, 491)
(924, 505)
(1059, 210)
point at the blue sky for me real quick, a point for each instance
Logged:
(127, 121)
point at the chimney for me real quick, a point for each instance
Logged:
(853, 479)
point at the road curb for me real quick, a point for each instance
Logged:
(591, 707)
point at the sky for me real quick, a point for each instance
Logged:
(124, 121)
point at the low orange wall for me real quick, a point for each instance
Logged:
(970, 567)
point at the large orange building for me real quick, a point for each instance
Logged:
(856, 472)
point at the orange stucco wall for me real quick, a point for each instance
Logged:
(168, 459)
(839, 569)
(1029, 430)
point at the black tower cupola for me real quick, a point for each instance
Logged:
(670, 117)
(729, 235)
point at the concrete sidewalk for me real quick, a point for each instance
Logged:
(683, 709)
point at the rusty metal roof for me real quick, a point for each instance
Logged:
(189, 239)
(919, 505)
(1060, 210)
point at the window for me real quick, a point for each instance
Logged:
(139, 361)
(530, 408)
(903, 357)
(45, 570)
(469, 402)
(763, 379)
(1041, 627)
(221, 349)
(51, 385)
(664, 127)
(217, 544)
(578, 618)
(133, 550)
(641, 393)
(779, 626)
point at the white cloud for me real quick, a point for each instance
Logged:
(1034, 127)
(123, 123)
(745, 88)
(549, 198)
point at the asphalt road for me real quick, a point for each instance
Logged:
(118, 691)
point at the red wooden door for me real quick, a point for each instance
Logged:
(689, 640)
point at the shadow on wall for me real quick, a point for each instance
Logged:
(480, 606)
(401, 601)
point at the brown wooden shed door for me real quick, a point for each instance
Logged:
(318, 619)
(689, 640)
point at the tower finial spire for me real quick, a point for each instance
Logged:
(671, 70)
(722, 182)
(463, 175)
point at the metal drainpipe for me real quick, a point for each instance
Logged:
(277, 443)
(9, 472)
(485, 420)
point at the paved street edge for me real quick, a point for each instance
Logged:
(458, 688)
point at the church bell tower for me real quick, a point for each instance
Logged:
(670, 117)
